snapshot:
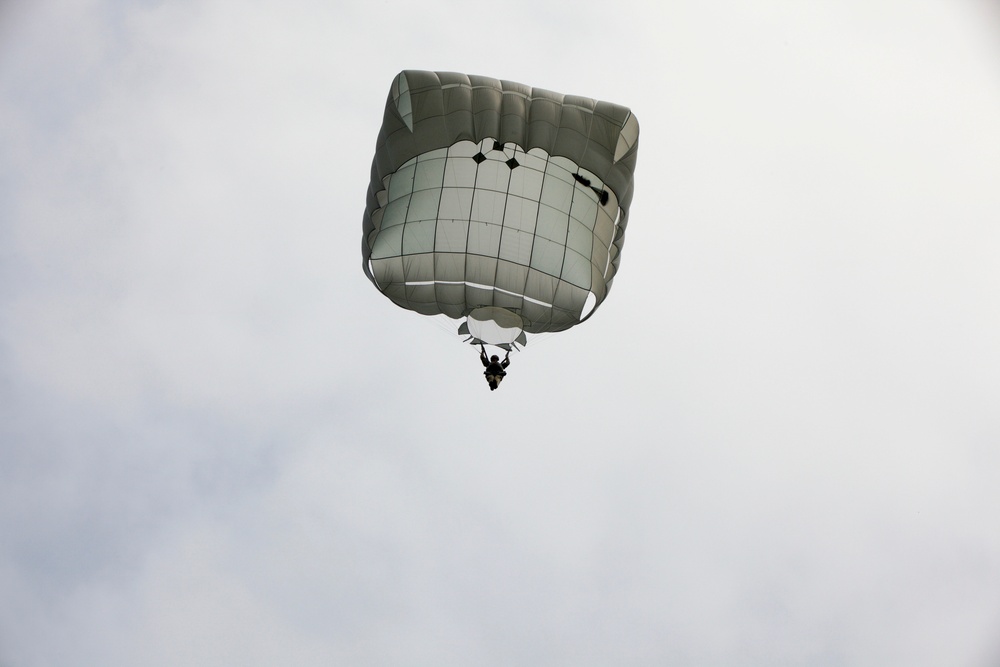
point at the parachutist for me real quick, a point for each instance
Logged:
(494, 367)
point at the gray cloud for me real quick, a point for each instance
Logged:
(773, 444)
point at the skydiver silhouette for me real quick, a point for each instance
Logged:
(494, 367)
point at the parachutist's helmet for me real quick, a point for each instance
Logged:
(494, 358)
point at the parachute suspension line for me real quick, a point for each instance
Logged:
(441, 322)
(497, 146)
(444, 323)
(541, 339)
(538, 212)
(479, 158)
(437, 216)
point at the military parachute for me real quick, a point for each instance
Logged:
(497, 204)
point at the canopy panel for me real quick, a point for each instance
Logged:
(490, 194)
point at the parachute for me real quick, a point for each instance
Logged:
(498, 204)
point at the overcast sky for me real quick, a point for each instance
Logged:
(776, 443)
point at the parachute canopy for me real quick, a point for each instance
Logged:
(497, 202)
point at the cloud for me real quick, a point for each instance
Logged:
(772, 443)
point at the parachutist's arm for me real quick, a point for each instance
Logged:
(506, 360)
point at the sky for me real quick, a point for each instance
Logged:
(776, 442)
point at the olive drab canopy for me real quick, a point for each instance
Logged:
(497, 203)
